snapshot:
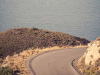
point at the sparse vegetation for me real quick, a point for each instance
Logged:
(15, 41)
(17, 61)
(1, 54)
(88, 69)
(19, 39)
(35, 28)
(89, 63)
(6, 71)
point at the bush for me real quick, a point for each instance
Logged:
(35, 28)
(6, 71)
(70, 43)
(13, 41)
(1, 54)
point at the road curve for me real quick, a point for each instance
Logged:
(56, 62)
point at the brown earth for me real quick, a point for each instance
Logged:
(20, 39)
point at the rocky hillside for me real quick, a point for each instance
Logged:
(19, 39)
(89, 63)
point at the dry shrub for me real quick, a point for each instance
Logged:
(93, 66)
(20, 39)
(17, 61)
(98, 39)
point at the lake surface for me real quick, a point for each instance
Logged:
(76, 17)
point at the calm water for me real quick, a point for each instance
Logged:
(76, 17)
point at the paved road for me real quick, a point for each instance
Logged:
(55, 62)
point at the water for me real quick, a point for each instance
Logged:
(76, 17)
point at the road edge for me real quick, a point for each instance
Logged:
(74, 65)
(28, 62)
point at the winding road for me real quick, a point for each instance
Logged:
(56, 62)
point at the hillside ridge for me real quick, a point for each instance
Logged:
(20, 39)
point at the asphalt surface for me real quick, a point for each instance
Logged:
(54, 62)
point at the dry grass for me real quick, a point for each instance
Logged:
(23, 43)
(20, 39)
(18, 61)
(89, 63)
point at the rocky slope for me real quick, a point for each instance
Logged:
(89, 63)
(19, 39)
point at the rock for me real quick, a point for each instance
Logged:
(5, 65)
(7, 58)
(91, 58)
(93, 52)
